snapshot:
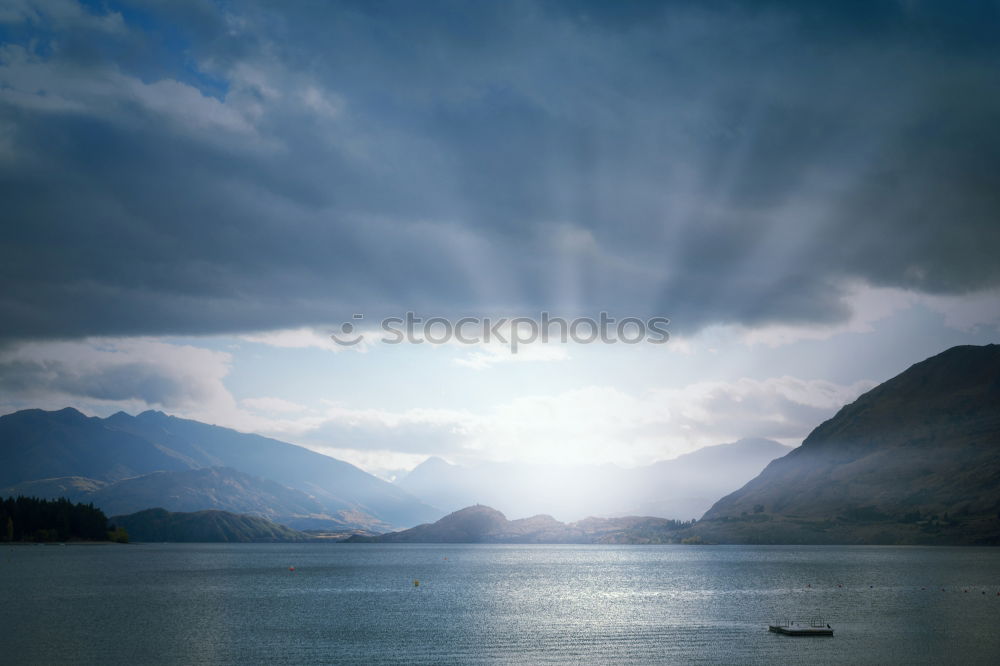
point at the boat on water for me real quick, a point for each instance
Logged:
(814, 627)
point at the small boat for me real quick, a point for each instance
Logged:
(814, 627)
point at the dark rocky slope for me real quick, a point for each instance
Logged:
(203, 526)
(914, 460)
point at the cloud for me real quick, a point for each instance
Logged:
(968, 311)
(34, 84)
(63, 14)
(487, 355)
(605, 424)
(301, 338)
(125, 373)
(103, 375)
(208, 170)
(595, 424)
(870, 305)
(272, 405)
(782, 408)
(478, 356)
(590, 424)
(867, 305)
(410, 431)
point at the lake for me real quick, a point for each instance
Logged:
(356, 603)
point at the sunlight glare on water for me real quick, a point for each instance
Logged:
(215, 603)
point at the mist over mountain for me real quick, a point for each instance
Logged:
(914, 460)
(222, 488)
(151, 460)
(682, 488)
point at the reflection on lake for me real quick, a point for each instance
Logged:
(222, 603)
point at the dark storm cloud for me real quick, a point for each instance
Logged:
(154, 373)
(188, 168)
(134, 381)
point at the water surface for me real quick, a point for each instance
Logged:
(356, 603)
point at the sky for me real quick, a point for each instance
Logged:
(195, 195)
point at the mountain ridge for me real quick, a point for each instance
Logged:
(39, 447)
(207, 526)
(484, 524)
(914, 460)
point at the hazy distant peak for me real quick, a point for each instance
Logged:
(754, 442)
(747, 447)
(747, 443)
(434, 462)
(429, 471)
(681, 488)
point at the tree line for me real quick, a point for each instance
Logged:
(33, 519)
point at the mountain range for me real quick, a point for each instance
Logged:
(483, 524)
(204, 526)
(681, 488)
(914, 460)
(124, 464)
(128, 463)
